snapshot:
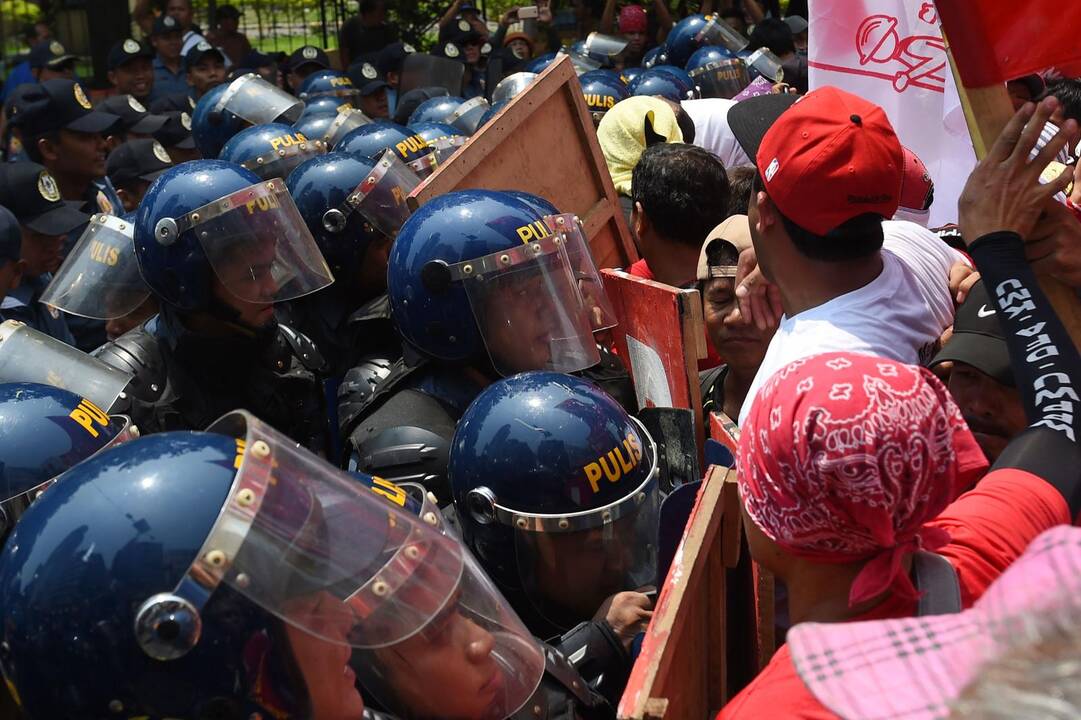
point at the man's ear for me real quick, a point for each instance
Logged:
(111, 77)
(48, 149)
(767, 211)
(639, 220)
(17, 276)
(126, 199)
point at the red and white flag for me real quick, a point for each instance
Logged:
(891, 53)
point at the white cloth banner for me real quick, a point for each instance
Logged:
(891, 53)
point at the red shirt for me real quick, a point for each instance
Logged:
(990, 526)
(712, 359)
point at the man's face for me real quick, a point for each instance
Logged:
(132, 194)
(576, 571)
(181, 10)
(208, 73)
(168, 45)
(11, 274)
(245, 282)
(471, 51)
(766, 231)
(43, 33)
(992, 410)
(636, 42)
(228, 25)
(520, 48)
(518, 330)
(65, 71)
(324, 661)
(375, 105)
(78, 154)
(741, 344)
(135, 77)
(41, 253)
(271, 74)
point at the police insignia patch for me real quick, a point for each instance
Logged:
(309, 53)
(368, 71)
(160, 153)
(408, 48)
(80, 97)
(47, 186)
(131, 47)
(451, 50)
(463, 25)
(135, 104)
(56, 48)
(185, 120)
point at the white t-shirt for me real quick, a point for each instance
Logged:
(712, 132)
(898, 315)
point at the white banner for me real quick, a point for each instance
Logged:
(891, 53)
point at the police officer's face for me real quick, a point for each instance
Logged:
(168, 45)
(576, 571)
(245, 282)
(520, 337)
(76, 154)
(65, 71)
(375, 105)
(324, 665)
(206, 74)
(41, 253)
(11, 273)
(135, 77)
(446, 670)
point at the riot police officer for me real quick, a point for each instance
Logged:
(481, 284)
(218, 248)
(557, 493)
(229, 108)
(272, 150)
(231, 574)
(372, 139)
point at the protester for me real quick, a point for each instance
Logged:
(979, 377)
(131, 69)
(1068, 94)
(170, 77)
(227, 36)
(740, 188)
(841, 531)
(461, 17)
(641, 31)
(366, 33)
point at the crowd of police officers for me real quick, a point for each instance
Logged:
(338, 459)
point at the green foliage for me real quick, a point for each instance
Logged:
(18, 12)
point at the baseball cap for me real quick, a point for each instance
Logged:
(55, 104)
(917, 189)
(830, 157)
(134, 117)
(391, 57)
(29, 191)
(632, 18)
(256, 59)
(916, 667)
(977, 338)
(126, 50)
(11, 237)
(229, 11)
(751, 118)
(202, 50)
(142, 159)
(735, 231)
(164, 24)
(308, 55)
(367, 79)
(173, 102)
(796, 23)
(176, 132)
(50, 54)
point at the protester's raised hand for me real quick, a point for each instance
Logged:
(1003, 192)
(1055, 245)
(759, 299)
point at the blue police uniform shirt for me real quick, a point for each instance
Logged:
(22, 304)
(166, 82)
(392, 100)
(19, 75)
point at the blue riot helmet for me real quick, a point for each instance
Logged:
(271, 150)
(602, 90)
(683, 39)
(371, 140)
(45, 430)
(436, 109)
(347, 202)
(207, 219)
(231, 574)
(629, 74)
(229, 108)
(328, 83)
(467, 116)
(655, 56)
(493, 111)
(557, 490)
(598, 50)
(315, 125)
(477, 270)
(540, 205)
(682, 77)
(659, 83)
(717, 72)
(512, 86)
(540, 63)
(324, 105)
(346, 121)
(444, 139)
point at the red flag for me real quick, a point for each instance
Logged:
(996, 40)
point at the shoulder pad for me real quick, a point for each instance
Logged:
(137, 352)
(563, 694)
(403, 454)
(303, 348)
(594, 652)
(358, 386)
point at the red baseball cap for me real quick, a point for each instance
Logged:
(632, 18)
(916, 185)
(830, 157)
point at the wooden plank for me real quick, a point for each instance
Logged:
(679, 672)
(543, 142)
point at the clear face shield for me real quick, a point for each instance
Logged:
(582, 64)
(603, 47)
(253, 99)
(281, 161)
(599, 308)
(380, 197)
(257, 243)
(425, 165)
(529, 310)
(721, 79)
(512, 85)
(422, 70)
(766, 64)
(570, 564)
(27, 355)
(100, 276)
(443, 148)
(16, 501)
(718, 32)
(347, 120)
(353, 578)
(468, 115)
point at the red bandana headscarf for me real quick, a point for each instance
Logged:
(844, 457)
